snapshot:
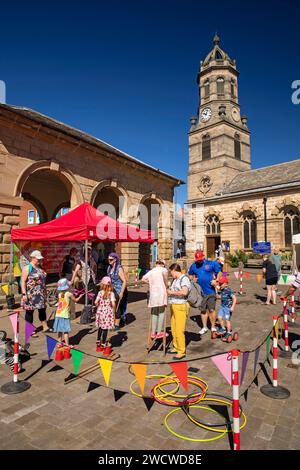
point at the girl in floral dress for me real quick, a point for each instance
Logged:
(105, 315)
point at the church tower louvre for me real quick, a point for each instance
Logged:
(219, 139)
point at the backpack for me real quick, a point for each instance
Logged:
(195, 295)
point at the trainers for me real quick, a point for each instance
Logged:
(213, 329)
(203, 330)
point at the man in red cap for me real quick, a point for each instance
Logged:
(206, 272)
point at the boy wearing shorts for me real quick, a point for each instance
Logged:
(228, 302)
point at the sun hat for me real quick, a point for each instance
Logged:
(223, 280)
(105, 281)
(36, 254)
(199, 256)
(63, 284)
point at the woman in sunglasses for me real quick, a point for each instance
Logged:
(117, 275)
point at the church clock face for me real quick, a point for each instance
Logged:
(205, 114)
(235, 114)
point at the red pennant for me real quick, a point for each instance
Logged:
(247, 275)
(181, 371)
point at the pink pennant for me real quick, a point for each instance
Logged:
(236, 273)
(13, 319)
(29, 329)
(223, 363)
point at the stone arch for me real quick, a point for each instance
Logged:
(246, 207)
(288, 201)
(213, 212)
(116, 189)
(148, 218)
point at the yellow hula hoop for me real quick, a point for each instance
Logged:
(160, 386)
(208, 428)
(186, 438)
(154, 376)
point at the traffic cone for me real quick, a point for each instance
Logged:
(59, 354)
(67, 353)
(107, 350)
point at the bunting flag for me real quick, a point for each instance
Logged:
(223, 363)
(13, 319)
(76, 358)
(247, 275)
(5, 288)
(92, 386)
(140, 371)
(256, 356)
(51, 343)
(276, 327)
(149, 402)
(284, 277)
(236, 273)
(105, 366)
(258, 277)
(118, 394)
(268, 341)
(244, 365)
(181, 371)
(16, 266)
(139, 270)
(29, 329)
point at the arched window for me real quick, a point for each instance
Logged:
(232, 88)
(291, 224)
(206, 88)
(249, 229)
(220, 85)
(206, 147)
(213, 226)
(237, 146)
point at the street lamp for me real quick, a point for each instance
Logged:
(265, 216)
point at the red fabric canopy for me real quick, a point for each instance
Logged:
(83, 223)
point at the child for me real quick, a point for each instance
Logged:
(228, 302)
(62, 324)
(293, 287)
(105, 315)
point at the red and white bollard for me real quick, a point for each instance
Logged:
(286, 326)
(275, 351)
(293, 308)
(16, 386)
(136, 276)
(241, 282)
(235, 399)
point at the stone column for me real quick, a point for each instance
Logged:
(9, 219)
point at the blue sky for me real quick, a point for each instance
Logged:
(125, 71)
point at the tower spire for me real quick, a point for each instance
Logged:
(216, 39)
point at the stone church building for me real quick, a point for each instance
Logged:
(48, 165)
(228, 202)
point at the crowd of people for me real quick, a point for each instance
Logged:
(200, 287)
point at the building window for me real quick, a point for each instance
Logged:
(249, 228)
(237, 146)
(213, 226)
(232, 88)
(291, 224)
(30, 217)
(206, 88)
(206, 147)
(218, 55)
(220, 85)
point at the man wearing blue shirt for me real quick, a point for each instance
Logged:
(206, 272)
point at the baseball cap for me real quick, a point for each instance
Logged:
(105, 280)
(223, 279)
(199, 255)
(36, 254)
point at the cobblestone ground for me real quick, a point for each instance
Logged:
(52, 415)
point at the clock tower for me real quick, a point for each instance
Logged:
(219, 139)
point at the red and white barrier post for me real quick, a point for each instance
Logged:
(136, 276)
(241, 282)
(275, 351)
(285, 326)
(293, 308)
(16, 386)
(235, 399)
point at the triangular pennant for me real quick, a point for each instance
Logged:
(276, 326)
(268, 347)
(17, 270)
(247, 275)
(181, 371)
(119, 394)
(51, 343)
(244, 365)
(258, 277)
(284, 277)
(149, 402)
(5, 288)
(105, 366)
(13, 318)
(236, 273)
(92, 386)
(256, 356)
(76, 358)
(139, 270)
(29, 329)
(223, 363)
(140, 371)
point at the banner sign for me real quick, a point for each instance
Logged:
(262, 247)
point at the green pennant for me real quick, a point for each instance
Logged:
(284, 277)
(76, 358)
(268, 347)
(139, 270)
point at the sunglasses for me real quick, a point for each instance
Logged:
(111, 259)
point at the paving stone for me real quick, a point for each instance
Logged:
(265, 431)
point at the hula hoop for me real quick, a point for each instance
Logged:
(154, 376)
(212, 427)
(186, 438)
(187, 400)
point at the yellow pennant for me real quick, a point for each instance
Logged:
(17, 270)
(140, 371)
(276, 329)
(258, 277)
(105, 366)
(5, 288)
